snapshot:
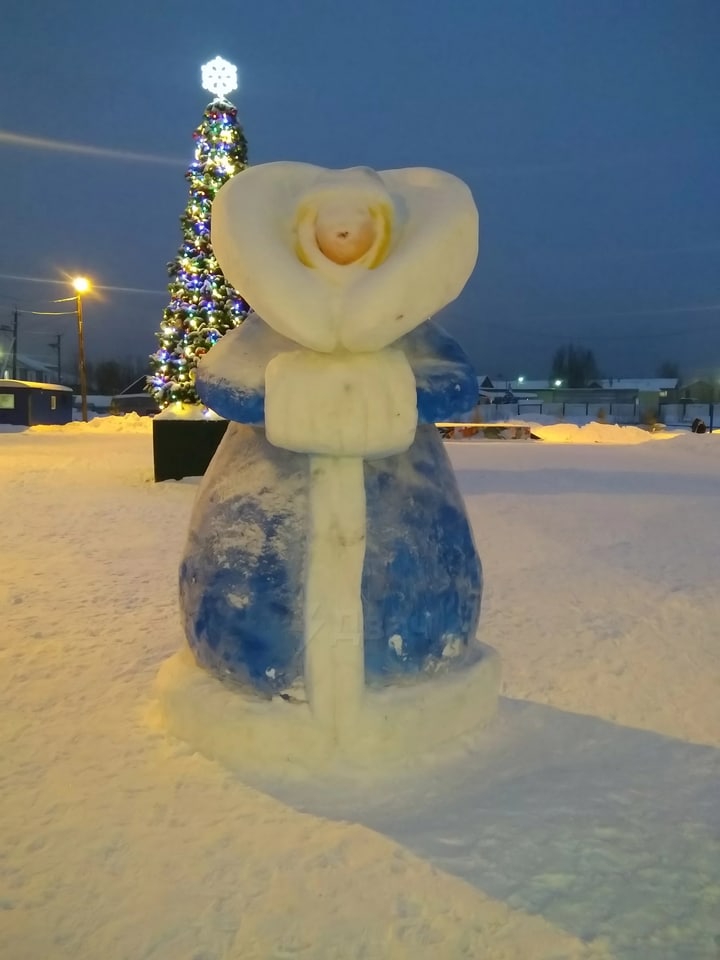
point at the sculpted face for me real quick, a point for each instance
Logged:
(344, 232)
(343, 226)
(345, 260)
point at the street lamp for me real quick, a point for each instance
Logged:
(81, 285)
(556, 384)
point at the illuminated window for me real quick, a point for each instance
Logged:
(53, 402)
(7, 401)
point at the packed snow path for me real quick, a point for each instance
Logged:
(602, 598)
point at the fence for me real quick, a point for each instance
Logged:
(687, 412)
(612, 412)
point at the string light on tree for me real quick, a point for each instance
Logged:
(203, 306)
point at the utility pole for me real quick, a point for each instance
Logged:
(58, 346)
(81, 358)
(81, 285)
(15, 342)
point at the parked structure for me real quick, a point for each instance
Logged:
(26, 403)
(135, 399)
(97, 404)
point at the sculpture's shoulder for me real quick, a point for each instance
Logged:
(230, 378)
(445, 378)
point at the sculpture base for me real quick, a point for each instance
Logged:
(396, 722)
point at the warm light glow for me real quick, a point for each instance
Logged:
(219, 77)
(81, 284)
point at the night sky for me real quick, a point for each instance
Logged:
(589, 133)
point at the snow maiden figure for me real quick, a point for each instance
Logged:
(330, 577)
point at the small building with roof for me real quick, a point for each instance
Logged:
(28, 403)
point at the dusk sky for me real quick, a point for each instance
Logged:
(589, 133)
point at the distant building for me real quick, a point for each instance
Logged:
(28, 369)
(493, 388)
(135, 399)
(702, 391)
(625, 398)
(659, 386)
(29, 403)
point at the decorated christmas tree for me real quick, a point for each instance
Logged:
(203, 306)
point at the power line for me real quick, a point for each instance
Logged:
(143, 291)
(37, 333)
(64, 146)
(139, 290)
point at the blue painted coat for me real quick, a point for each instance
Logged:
(242, 574)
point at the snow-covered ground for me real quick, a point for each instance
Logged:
(583, 823)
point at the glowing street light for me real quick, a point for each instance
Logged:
(558, 383)
(81, 285)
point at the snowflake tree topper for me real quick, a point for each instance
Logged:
(219, 77)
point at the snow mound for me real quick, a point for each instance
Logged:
(603, 601)
(187, 411)
(127, 423)
(395, 722)
(595, 433)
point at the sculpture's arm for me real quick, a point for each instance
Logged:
(230, 378)
(445, 380)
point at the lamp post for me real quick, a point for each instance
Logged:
(81, 285)
(13, 330)
(556, 384)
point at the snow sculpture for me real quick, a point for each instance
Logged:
(330, 567)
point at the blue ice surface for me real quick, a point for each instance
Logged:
(242, 574)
